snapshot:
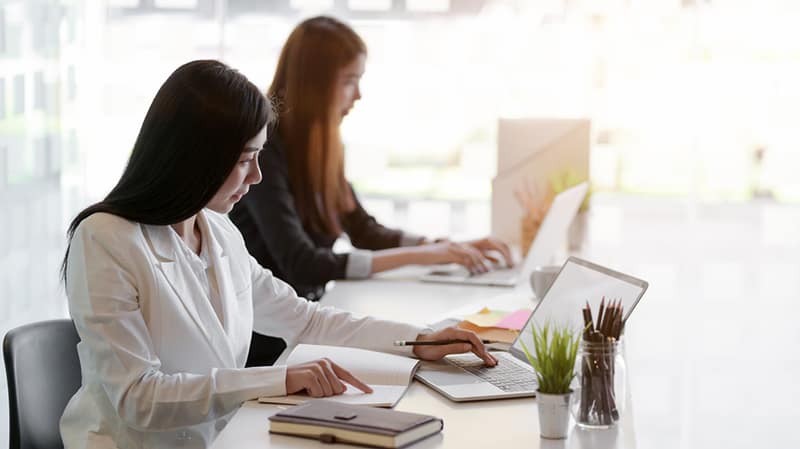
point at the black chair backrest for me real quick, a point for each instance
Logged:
(43, 373)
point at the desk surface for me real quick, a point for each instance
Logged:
(397, 295)
(692, 374)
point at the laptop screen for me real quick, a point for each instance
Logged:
(554, 227)
(579, 281)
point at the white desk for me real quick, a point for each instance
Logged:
(396, 295)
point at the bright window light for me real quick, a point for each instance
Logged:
(176, 4)
(370, 5)
(123, 3)
(428, 5)
(305, 5)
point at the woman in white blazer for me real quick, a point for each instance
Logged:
(164, 294)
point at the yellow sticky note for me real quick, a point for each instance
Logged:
(486, 317)
(490, 333)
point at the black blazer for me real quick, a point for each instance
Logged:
(275, 236)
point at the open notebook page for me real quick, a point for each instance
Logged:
(389, 375)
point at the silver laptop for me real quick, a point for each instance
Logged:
(551, 234)
(464, 378)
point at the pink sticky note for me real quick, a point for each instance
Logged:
(514, 320)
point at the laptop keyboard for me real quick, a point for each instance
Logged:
(500, 274)
(506, 375)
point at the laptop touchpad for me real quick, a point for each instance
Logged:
(447, 375)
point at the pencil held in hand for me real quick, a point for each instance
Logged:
(437, 342)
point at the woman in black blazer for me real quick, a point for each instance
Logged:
(291, 220)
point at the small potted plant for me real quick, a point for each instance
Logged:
(553, 359)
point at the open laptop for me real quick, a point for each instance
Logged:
(463, 377)
(552, 233)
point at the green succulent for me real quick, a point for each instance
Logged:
(555, 350)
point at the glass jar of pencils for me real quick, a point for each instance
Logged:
(599, 397)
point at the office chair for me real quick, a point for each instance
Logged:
(43, 373)
(264, 350)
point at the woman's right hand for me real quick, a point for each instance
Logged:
(453, 252)
(321, 378)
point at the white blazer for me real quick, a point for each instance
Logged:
(159, 369)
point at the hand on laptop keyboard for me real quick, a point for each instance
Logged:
(453, 252)
(507, 376)
(488, 245)
(437, 351)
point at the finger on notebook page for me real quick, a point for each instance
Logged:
(336, 385)
(349, 378)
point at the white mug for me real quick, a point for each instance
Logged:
(542, 278)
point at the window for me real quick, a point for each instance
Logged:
(2, 98)
(19, 94)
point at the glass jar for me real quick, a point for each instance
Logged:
(599, 390)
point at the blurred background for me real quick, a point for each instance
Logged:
(692, 102)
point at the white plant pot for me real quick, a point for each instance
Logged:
(553, 415)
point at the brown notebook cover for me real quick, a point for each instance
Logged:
(334, 422)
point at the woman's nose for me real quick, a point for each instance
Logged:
(255, 173)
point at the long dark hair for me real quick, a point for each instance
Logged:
(304, 86)
(190, 140)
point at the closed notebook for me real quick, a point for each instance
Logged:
(334, 422)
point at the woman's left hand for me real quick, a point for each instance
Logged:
(475, 345)
(487, 244)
